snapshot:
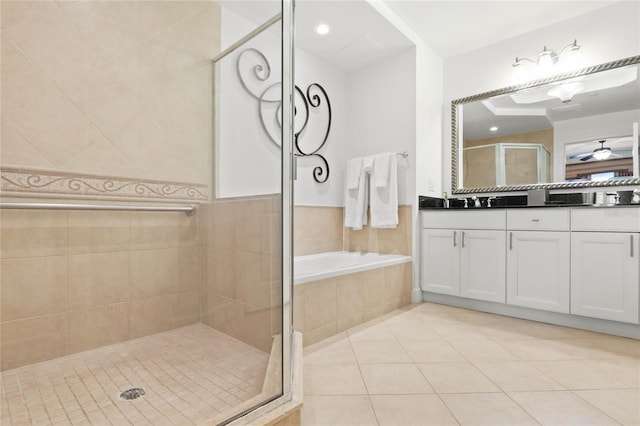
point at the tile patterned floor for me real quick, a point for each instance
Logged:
(432, 364)
(190, 375)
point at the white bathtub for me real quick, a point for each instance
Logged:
(326, 265)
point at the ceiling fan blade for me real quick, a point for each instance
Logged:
(587, 158)
(577, 156)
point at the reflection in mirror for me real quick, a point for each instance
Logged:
(605, 159)
(574, 129)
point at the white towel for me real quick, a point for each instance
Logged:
(354, 170)
(384, 191)
(355, 204)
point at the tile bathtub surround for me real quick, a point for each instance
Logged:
(392, 241)
(415, 366)
(118, 89)
(319, 229)
(76, 280)
(326, 307)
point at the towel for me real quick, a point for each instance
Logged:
(354, 170)
(355, 205)
(384, 191)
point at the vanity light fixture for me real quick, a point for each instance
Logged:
(322, 29)
(547, 63)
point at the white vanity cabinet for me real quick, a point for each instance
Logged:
(605, 270)
(538, 270)
(463, 254)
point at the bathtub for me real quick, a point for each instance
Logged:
(316, 267)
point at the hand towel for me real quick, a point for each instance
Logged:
(354, 170)
(384, 191)
(355, 205)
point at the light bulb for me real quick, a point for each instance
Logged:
(602, 155)
(545, 63)
(322, 29)
(520, 73)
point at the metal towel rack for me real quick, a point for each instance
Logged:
(403, 154)
(189, 210)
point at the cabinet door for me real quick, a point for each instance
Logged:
(538, 270)
(605, 275)
(440, 266)
(482, 265)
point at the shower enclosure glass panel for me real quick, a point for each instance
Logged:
(132, 291)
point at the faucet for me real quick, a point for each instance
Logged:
(636, 196)
(489, 201)
(476, 201)
(466, 203)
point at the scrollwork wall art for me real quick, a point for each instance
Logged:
(311, 130)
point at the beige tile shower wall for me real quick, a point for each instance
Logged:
(75, 280)
(391, 241)
(116, 88)
(326, 307)
(317, 229)
(241, 258)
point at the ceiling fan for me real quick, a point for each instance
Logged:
(600, 153)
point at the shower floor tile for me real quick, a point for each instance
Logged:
(189, 375)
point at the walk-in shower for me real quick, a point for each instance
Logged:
(137, 285)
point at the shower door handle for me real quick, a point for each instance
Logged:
(294, 172)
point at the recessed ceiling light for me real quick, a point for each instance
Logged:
(322, 29)
(493, 128)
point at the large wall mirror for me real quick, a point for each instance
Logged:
(572, 130)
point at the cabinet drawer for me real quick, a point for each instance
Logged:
(538, 219)
(614, 219)
(464, 219)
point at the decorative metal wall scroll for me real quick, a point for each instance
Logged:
(254, 72)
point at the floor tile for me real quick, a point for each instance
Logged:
(334, 353)
(353, 410)
(623, 405)
(369, 333)
(394, 379)
(486, 409)
(561, 408)
(456, 378)
(409, 331)
(483, 350)
(380, 352)
(411, 410)
(432, 351)
(517, 376)
(581, 374)
(338, 379)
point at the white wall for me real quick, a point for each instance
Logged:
(382, 115)
(588, 128)
(246, 161)
(606, 34)
(307, 191)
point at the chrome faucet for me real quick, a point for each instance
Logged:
(476, 201)
(466, 203)
(489, 201)
(636, 196)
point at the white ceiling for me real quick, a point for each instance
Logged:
(454, 27)
(360, 35)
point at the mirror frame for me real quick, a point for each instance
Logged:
(554, 185)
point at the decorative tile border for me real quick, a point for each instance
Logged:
(38, 182)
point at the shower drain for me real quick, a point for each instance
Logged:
(133, 393)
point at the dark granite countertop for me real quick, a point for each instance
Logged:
(520, 201)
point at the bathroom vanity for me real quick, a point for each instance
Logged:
(577, 266)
